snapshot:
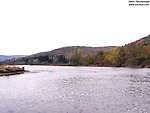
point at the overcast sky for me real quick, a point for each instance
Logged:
(32, 26)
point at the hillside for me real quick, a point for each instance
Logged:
(64, 53)
(4, 57)
(68, 51)
(143, 40)
(134, 54)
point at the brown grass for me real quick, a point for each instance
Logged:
(7, 69)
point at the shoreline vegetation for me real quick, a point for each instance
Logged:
(11, 70)
(88, 65)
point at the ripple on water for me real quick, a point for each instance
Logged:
(76, 90)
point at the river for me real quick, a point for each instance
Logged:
(62, 89)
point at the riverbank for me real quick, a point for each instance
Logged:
(93, 65)
(11, 70)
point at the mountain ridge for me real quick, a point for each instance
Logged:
(6, 57)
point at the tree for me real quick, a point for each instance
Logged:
(139, 50)
(131, 50)
(62, 59)
(76, 58)
(99, 57)
(43, 59)
(90, 59)
(113, 57)
(121, 56)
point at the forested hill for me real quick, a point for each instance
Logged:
(69, 50)
(140, 41)
(60, 55)
(145, 39)
(134, 54)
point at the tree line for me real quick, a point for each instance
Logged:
(134, 54)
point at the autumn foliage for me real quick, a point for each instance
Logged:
(135, 54)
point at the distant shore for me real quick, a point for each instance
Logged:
(90, 65)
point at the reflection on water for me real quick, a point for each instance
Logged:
(54, 89)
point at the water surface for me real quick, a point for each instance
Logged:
(60, 89)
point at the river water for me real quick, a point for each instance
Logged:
(60, 89)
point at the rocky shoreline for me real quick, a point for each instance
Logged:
(6, 71)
